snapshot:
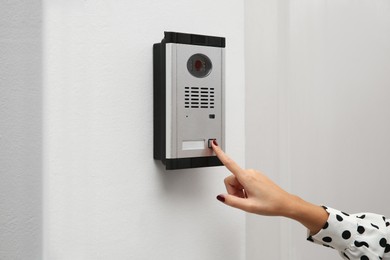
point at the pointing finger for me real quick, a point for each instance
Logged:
(229, 163)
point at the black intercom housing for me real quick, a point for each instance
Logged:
(188, 96)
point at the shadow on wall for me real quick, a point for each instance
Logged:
(179, 182)
(21, 130)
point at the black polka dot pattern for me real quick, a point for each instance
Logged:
(361, 229)
(375, 226)
(383, 242)
(346, 214)
(346, 234)
(361, 243)
(327, 239)
(357, 236)
(326, 225)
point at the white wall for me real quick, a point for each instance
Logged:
(20, 130)
(317, 111)
(105, 196)
(317, 116)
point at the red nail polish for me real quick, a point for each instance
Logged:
(215, 142)
(221, 198)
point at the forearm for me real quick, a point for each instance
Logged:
(313, 217)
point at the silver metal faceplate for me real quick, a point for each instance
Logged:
(195, 106)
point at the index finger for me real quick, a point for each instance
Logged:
(229, 163)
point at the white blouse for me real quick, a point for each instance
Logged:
(360, 236)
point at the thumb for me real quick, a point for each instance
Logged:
(235, 202)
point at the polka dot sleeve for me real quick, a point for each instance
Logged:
(360, 236)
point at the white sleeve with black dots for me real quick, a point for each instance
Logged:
(357, 236)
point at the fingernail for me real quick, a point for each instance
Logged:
(215, 142)
(221, 198)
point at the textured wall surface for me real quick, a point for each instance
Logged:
(317, 111)
(105, 196)
(20, 130)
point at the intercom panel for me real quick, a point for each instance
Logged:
(189, 85)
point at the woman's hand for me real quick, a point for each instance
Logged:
(252, 191)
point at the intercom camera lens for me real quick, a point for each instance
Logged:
(199, 65)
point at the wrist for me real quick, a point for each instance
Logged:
(295, 207)
(313, 217)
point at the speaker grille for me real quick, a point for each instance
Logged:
(198, 97)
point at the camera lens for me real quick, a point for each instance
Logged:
(199, 65)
